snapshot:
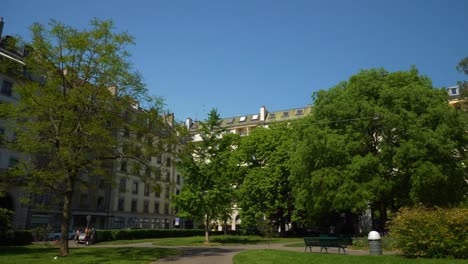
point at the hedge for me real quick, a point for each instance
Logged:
(130, 234)
(18, 238)
(431, 233)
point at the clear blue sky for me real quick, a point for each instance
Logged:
(237, 55)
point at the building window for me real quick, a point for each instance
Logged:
(453, 91)
(285, 114)
(100, 203)
(168, 176)
(156, 208)
(167, 192)
(178, 179)
(119, 222)
(156, 223)
(101, 184)
(122, 185)
(147, 189)
(145, 224)
(134, 206)
(158, 159)
(166, 209)
(145, 206)
(13, 162)
(6, 88)
(121, 204)
(168, 162)
(272, 116)
(135, 187)
(299, 112)
(132, 222)
(2, 135)
(83, 201)
(123, 166)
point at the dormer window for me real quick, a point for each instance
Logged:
(255, 117)
(299, 112)
(454, 91)
(230, 121)
(285, 114)
(272, 116)
(242, 119)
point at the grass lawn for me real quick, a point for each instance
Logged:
(41, 254)
(199, 241)
(268, 256)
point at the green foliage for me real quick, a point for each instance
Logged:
(431, 233)
(381, 138)
(264, 192)
(130, 234)
(78, 93)
(207, 193)
(6, 217)
(41, 233)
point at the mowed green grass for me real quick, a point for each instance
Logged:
(40, 254)
(200, 241)
(268, 256)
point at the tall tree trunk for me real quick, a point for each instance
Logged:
(383, 217)
(225, 226)
(207, 229)
(64, 251)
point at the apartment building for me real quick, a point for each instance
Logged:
(121, 199)
(244, 124)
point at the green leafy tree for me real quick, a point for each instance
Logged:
(265, 192)
(462, 67)
(77, 93)
(385, 139)
(208, 190)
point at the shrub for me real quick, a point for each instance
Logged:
(431, 233)
(22, 237)
(5, 222)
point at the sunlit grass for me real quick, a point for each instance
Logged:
(46, 254)
(267, 256)
(200, 241)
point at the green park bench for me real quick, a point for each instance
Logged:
(324, 243)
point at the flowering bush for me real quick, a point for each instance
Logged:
(431, 233)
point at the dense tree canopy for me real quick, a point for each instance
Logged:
(265, 192)
(208, 190)
(77, 93)
(384, 139)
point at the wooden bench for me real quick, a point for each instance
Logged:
(324, 243)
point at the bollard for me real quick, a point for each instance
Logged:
(375, 243)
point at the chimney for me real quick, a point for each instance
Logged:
(170, 119)
(1, 26)
(263, 113)
(188, 123)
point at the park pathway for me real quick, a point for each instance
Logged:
(221, 254)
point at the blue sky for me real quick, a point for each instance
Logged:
(237, 55)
